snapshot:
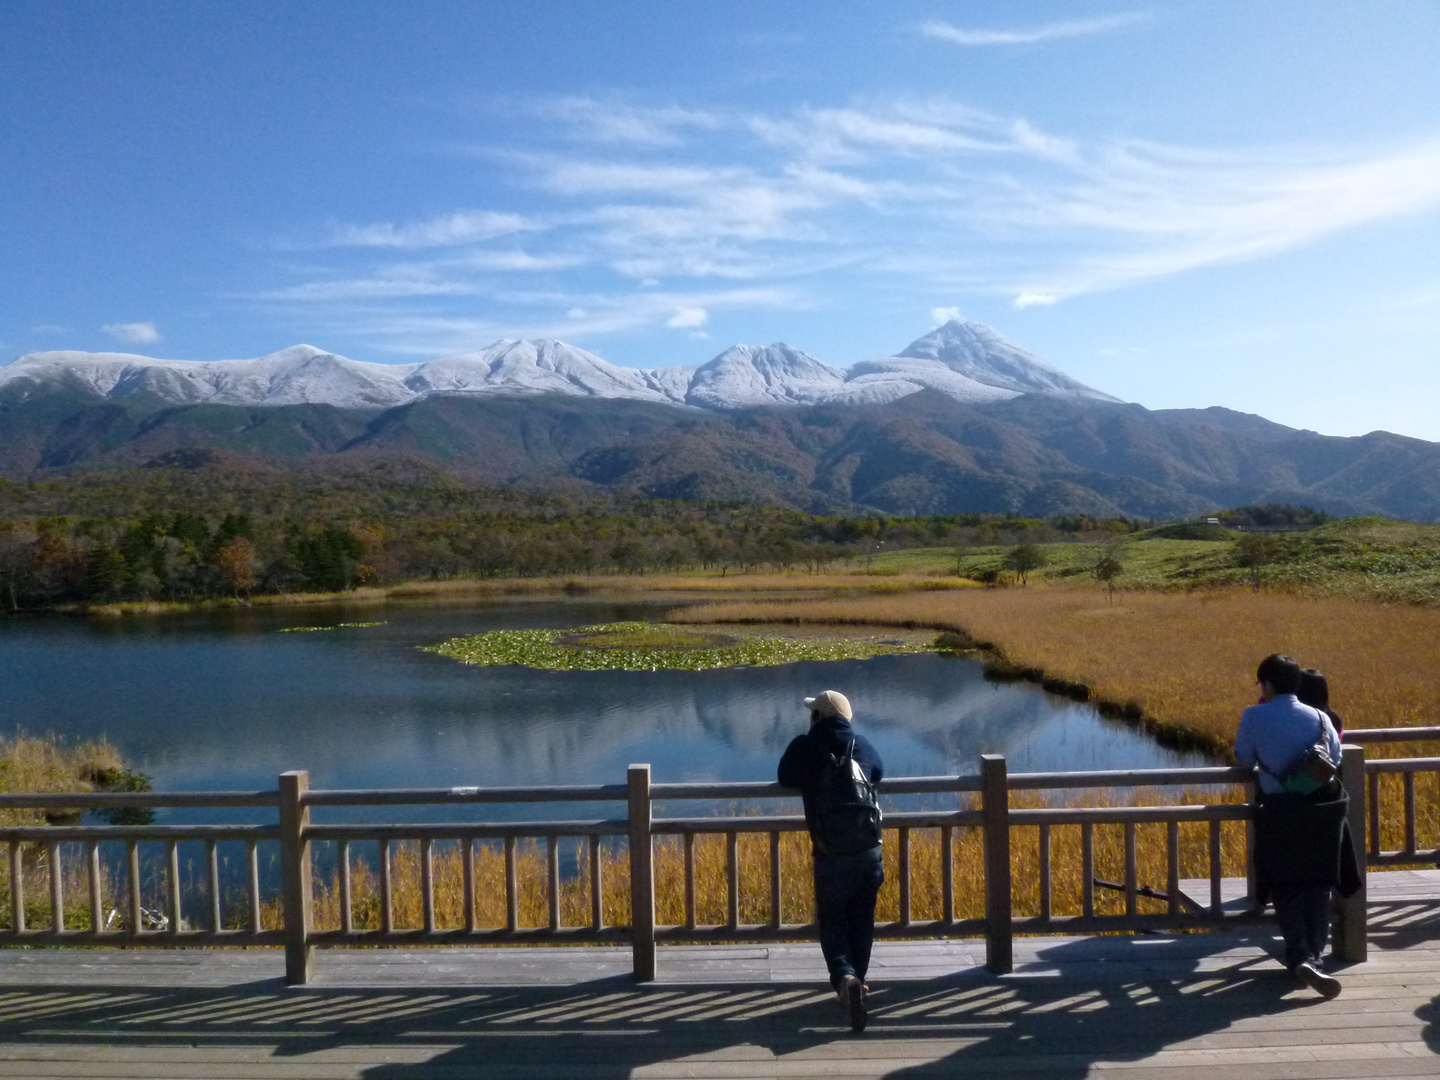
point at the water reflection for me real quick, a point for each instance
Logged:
(218, 702)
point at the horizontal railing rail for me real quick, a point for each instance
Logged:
(1000, 806)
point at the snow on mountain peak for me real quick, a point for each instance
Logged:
(985, 355)
(966, 361)
(777, 374)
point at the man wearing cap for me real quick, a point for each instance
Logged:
(845, 884)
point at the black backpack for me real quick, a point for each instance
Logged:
(845, 814)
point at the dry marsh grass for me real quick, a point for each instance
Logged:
(1183, 662)
(49, 765)
(753, 856)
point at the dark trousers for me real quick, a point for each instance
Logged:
(1303, 912)
(845, 891)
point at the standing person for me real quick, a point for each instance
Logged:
(836, 770)
(1315, 692)
(1302, 840)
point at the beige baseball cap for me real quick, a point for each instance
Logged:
(830, 703)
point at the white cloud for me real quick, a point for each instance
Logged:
(942, 315)
(619, 122)
(1047, 32)
(928, 194)
(533, 315)
(133, 333)
(688, 317)
(466, 227)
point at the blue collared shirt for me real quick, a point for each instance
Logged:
(1274, 734)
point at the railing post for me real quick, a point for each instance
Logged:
(295, 870)
(642, 875)
(995, 792)
(1252, 883)
(1354, 937)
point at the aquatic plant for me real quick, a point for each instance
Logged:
(640, 646)
(333, 626)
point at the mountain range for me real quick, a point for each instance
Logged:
(961, 420)
(965, 361)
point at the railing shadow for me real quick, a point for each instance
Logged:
(1067, 1007)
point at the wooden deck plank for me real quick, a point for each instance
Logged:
(1210, 1006)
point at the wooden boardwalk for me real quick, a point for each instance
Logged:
(1202, 1006)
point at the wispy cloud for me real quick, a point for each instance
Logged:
(688, 318)
(672, 211)
(1052, 31)
(618, 121)
(133, 333)
(466, 227)
(570, 316)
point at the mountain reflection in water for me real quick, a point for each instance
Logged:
(223, 701)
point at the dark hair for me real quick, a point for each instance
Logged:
(1281, 672)
(1314, 690)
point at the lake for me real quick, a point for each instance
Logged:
(226, 701)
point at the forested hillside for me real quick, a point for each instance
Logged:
(214, 530)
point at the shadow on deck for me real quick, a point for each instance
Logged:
(1211, 1005)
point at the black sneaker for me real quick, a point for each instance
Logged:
(855, 1003)
(1327, 986)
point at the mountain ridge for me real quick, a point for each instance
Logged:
(956, 359)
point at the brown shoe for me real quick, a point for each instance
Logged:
(1327, 986)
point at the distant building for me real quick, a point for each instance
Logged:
(1212, 521)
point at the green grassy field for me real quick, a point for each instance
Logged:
(1371, 557)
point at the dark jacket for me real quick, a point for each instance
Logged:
(805, 756)
(1305, 840)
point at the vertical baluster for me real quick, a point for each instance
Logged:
(468, 850)
(999, 875)
(1129, 869)
(947, 873)
(387, 907)
(132, 861)
(1087, 869)
(1217, 899)
(689, 881)
(252, 870)
(1045, 911)
(427, 883)
(1172, 869)
(172, 870)
(1374, 807)
(512, 891)
(904, 861)
(597, 885)
(17, 888)
(1409, 779)
(775, 879)
(212, 873)
(552, 883)
(347, 912)
(92, 872)
(57, 899)
(732, 879)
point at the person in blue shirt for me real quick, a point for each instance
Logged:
(847, 883)
(1298, 838)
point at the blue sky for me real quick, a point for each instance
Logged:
(1182, 204)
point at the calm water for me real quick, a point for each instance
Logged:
(227, 702)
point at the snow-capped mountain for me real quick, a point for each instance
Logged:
(966, 361)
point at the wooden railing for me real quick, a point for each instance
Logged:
(981, 802)
(1407, 769)
(132, 923)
